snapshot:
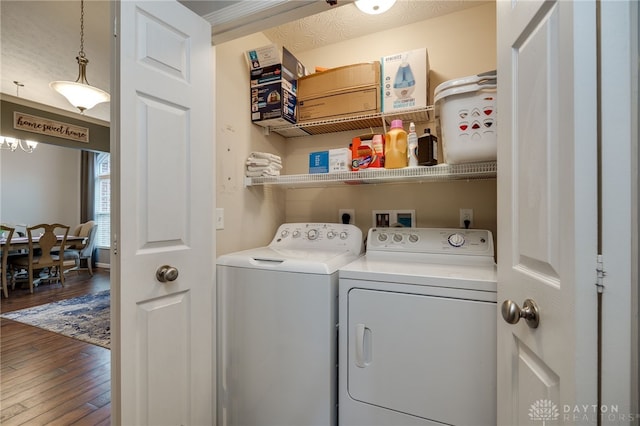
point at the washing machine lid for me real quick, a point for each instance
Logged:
(414, 270)
(322, 262)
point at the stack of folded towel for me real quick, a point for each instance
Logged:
(263, 164)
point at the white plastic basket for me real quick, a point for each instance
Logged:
(467, 118)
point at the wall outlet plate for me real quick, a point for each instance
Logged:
(350, 212)
(393, 218)
(466, 214)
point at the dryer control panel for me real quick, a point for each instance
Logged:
(318, 236)
(431, 240)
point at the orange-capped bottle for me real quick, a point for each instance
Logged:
(395, 148)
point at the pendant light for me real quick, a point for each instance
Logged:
(374, 7)
(79, 93)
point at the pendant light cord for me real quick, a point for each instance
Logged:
(81, 53)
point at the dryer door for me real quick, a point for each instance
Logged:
(431, 357)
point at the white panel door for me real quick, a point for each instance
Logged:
(547, 208)
(163, 152)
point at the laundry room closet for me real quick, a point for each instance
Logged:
(459, 44)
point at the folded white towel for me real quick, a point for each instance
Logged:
(265, 155)
(257, 162)
(259, 173)
(274, 167)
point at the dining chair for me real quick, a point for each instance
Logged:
(7, 234)
(44, 237)
(84, 250)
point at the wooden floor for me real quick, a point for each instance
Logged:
(47, 378)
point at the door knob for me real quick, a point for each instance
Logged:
(166, 273)
(512, 313)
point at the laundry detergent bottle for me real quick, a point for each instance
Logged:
(395, 154)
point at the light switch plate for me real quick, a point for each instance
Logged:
(219, 218)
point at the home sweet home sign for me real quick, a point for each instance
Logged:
(44, 126)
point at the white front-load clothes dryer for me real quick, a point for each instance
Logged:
(277, 327)
(418, 330)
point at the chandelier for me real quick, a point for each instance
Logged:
(79, 93)
(13, 144)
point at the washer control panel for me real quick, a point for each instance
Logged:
(320, 236)
(431, 240)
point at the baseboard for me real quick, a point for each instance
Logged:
(103, 265)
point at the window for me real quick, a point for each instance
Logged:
(103, 200)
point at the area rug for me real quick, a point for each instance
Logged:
(84, 318)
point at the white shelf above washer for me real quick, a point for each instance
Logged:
(441, 172)
(342, 124)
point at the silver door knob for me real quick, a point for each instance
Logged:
(512, 313)
(166, 273)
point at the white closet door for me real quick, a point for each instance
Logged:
(547, 207)
(163, 155)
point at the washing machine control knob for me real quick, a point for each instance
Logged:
(456, 240)
(397, 237)
(331, 235)
(312, 234)
(413, 238)
(296, 234)
(344, 235)
(382, 237)
(284, 234)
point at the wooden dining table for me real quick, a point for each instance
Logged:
(22, 243)
(18, 243)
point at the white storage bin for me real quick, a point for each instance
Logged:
(466, 113)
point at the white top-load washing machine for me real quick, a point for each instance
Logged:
(418, 329)
(277, 326)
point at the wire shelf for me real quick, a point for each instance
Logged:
(342, 124)
(441, 172)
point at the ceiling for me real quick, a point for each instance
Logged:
(40, 39)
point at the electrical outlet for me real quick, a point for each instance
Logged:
(219, 218)
(466, 214)
(350, 212)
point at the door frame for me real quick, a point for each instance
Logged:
(619, 207)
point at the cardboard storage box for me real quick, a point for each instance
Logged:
(272, 105)
(339, 79)
(357, 102)
(339, 160)
(271, 57)
(319, 162)
(270, 74)
(405, 80)
(273, 77)
(334, 160)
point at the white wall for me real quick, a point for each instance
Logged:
(458, 44)
(251, 215)
(41, 187)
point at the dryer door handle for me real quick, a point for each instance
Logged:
(363, 345)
